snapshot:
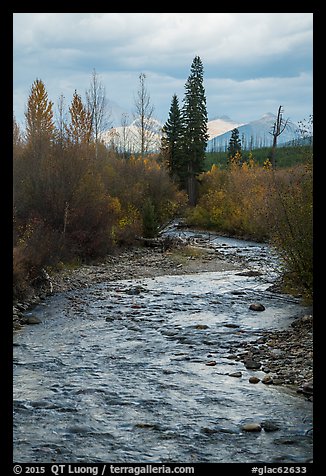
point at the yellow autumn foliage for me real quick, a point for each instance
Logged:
(264, 204)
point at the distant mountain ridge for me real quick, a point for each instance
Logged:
(221, 125)
(254, 134)
(127, 138)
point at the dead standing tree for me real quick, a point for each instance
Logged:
(278, 128)
(97, 107)
(144, 122)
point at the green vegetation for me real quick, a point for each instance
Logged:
(185, 134)
(234, 144)
(286, 156)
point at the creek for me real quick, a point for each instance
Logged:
(118, 372)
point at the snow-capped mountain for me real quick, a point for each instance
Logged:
(126, 138)
(254, 134)
(220, 125)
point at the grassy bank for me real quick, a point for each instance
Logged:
(286, 156)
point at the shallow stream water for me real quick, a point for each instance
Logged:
(117, 372)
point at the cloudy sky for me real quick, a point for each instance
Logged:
(253, 62)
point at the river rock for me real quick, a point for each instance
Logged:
(266, 369)
(32, 320)
(251, 427)
(136, 290)
(208, 431)
(254, 379)
(252, 364)
(211, 363)
(109, 318)
(306, 388)
(257, 307)
(235, 374)
(149, 426)
(267, 380)
(270, 426)
(305, 320)
(250, 273)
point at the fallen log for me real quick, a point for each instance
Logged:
(162, 242)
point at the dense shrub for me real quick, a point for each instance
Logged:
(291, 224)
(264, 204)
(136, 183)
(233, 200)
(75, 198)
(85, 215)
(37, 247)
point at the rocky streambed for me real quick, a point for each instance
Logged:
(185, 355)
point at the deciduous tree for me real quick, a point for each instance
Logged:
(40, 127)
(35, 169)
(79, 129)
(97, 109)
(144, 120)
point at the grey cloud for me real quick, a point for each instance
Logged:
(236, 48)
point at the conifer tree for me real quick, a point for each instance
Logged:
(234, 144)
(172, 143)
(194, 115)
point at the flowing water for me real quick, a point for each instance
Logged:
(117, 372)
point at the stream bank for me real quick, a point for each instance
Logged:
(182, 355)
(285, 357)
(125, 263)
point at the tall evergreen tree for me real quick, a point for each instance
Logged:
(194, 115)
(234, 144)
(171, 143)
